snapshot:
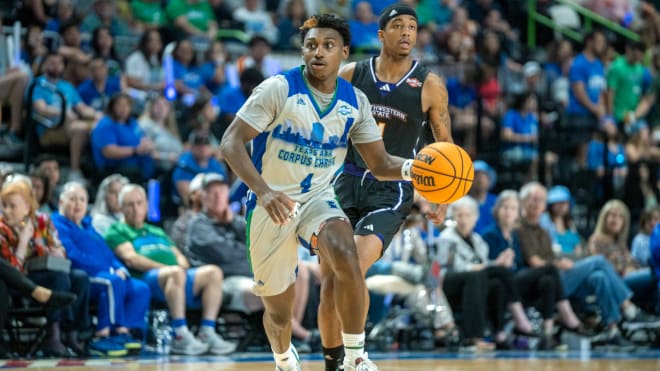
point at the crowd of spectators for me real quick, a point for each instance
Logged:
(140, 92)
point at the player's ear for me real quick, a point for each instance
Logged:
(381, 35)
(345, 50)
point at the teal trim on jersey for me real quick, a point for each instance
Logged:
(311, 96)
(248, 224)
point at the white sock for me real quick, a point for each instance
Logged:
(353, 347)
(285, 359)
(181, 330)
(630, 312)
(206, 330)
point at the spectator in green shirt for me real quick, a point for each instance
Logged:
(194, 17)
(151, 255)
(627, 83)
(148, 14)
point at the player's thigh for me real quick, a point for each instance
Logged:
(273, 253)
(316, 217)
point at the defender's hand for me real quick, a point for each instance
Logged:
(437, 215)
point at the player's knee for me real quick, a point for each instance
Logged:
(280, 318)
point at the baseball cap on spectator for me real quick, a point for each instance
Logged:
(212, 178)
(196, 183)
(558, 194)
(199, 137)
(531, 68)
(480, 165)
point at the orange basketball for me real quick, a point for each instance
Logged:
(442, 172)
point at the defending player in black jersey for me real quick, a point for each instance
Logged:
(405, 96)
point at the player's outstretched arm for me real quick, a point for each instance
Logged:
(277, 204)
(435, 101)
(381, 164)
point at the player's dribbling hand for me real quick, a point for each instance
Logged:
(437, 214)
(278, 206)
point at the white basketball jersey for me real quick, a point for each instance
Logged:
(300, 147)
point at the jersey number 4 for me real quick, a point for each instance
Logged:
(306, 183)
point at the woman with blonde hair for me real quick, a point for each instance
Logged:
(106, 211)
(26, 234)
(159, 125)
(610, 239)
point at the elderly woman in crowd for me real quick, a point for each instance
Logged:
(24, 235)
(463, 254)
(122, 301)
(540, 287)
(106, 211)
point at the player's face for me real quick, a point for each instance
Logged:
(323, 51)
(400, 35)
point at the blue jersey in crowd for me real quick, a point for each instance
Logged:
(187, 168)
(129, 134)
(98, 99)
(591, 74)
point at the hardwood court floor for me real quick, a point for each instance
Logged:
(618, 363)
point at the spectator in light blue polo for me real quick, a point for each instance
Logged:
(119, 145)
(485, 179)
(79, 118)
(199, 159)
(559, 222)
(97, 90)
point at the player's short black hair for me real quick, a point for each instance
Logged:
(327, 21)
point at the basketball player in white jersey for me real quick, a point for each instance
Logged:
(299, 123)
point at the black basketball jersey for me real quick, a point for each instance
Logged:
(397, 109)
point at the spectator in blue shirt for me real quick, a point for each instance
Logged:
(654, 261)
(640, 249)
(187, 77)
(484, 181)
(79, 118)
(122, 301)
(364, 28)
(214, 70)
(97, 90)
(232, 98)
(559, 223)
(611, 168)
(119, 144)
(586, 101)
(199, 159)
(520, 128)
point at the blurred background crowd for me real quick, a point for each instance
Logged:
(111, 117)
